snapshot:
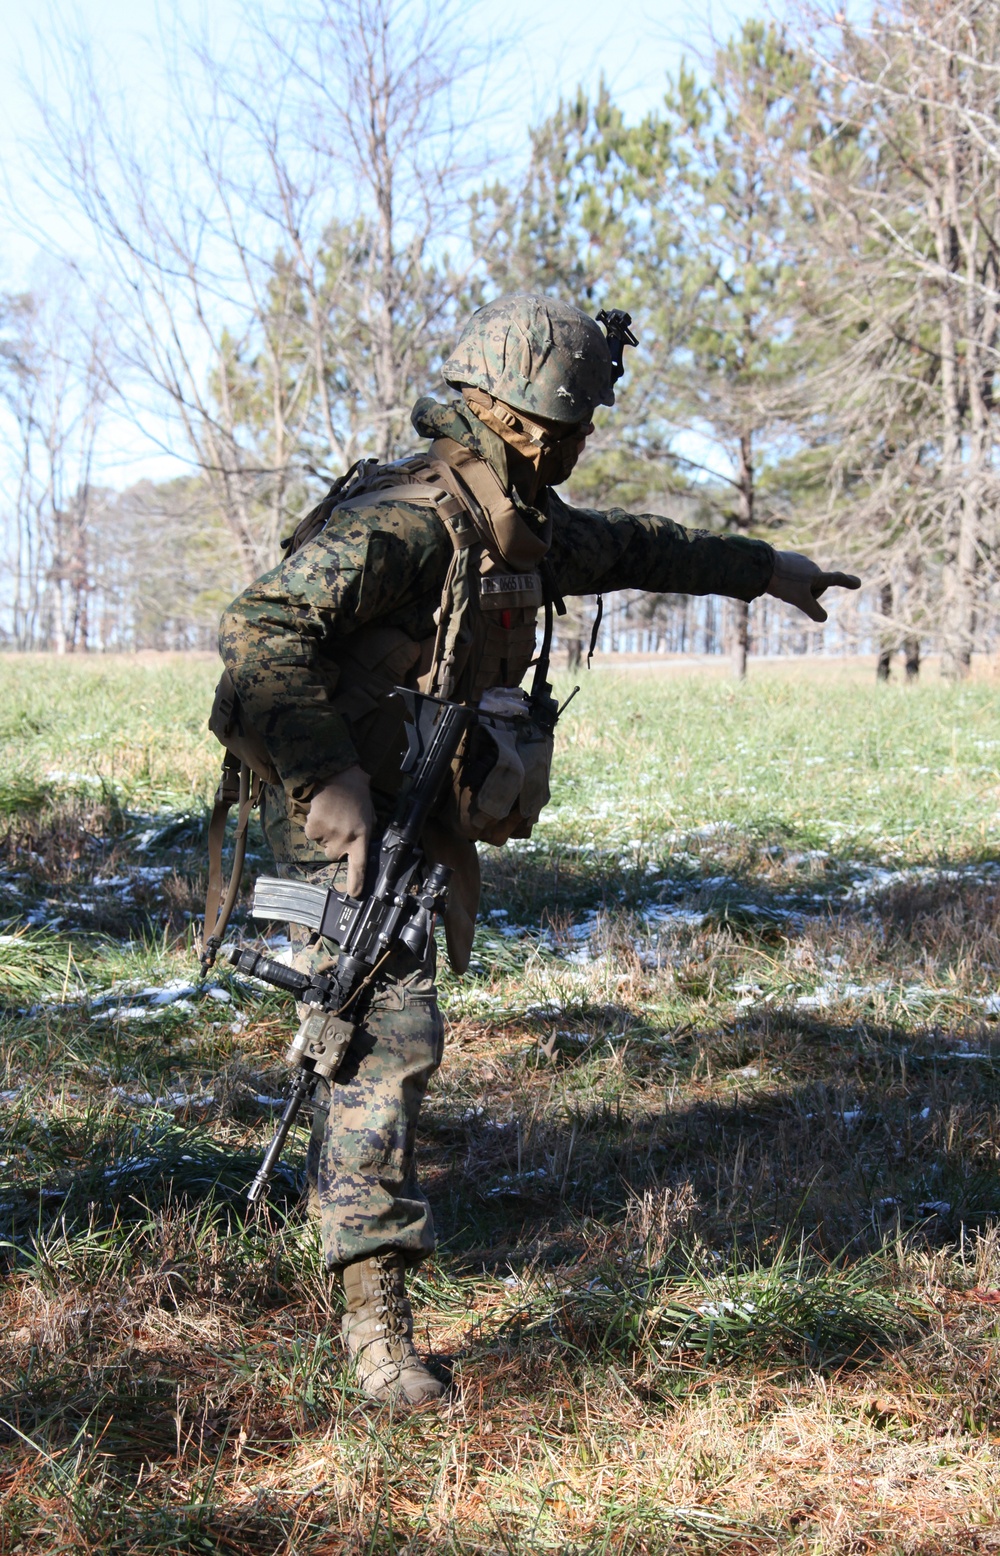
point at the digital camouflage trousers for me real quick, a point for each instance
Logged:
(361, 1162)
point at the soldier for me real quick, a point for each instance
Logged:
(431, 573)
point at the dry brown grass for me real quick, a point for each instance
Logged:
(718, 1198)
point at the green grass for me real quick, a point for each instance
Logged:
(714, 1153)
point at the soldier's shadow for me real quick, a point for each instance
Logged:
(596, 1222)
(837, 1167)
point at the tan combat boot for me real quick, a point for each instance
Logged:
(378, 1333)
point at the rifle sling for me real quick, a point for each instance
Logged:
(236, 784)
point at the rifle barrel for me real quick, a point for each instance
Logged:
(298, 1094)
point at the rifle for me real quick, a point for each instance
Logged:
(398, 909)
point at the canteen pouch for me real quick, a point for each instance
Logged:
(503, 772)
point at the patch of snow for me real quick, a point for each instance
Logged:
(583, 957)
(819, 999)
(667, 913)
(131, 1165)
(725, 1306)
(138, 1099)
(511, 1179)
(143, 1004)
(58, 775)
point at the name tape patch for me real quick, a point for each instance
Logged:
(510, 583)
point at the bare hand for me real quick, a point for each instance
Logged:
(340, 820)
(799, 581)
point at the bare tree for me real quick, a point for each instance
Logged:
(283, 280)
(145, 593)
(54, 388)
(378, 81)
(908, 187)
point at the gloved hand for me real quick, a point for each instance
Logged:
(798, 581)
(341, 817)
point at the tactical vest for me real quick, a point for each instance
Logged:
(483, 647)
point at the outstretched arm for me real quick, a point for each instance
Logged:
(594, 552)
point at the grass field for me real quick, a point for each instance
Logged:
(713, 1152)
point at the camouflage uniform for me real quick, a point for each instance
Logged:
(386, 564)
(361, 1167)
(283, 642)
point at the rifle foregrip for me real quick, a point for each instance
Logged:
(256, 965)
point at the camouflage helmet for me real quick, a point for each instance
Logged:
(537, 355)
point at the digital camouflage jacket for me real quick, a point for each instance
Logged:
(384, 564)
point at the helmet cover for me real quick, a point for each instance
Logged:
(536, 354)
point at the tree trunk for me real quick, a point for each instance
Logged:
(79, 574)
(883, 668)
(741, 638)
(944, 204)
(744, 521)
(911, 655)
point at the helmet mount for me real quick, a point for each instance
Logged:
(619, 334)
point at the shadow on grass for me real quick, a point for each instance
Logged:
(889, 1134)
(88, 865)
(758, 886)
(839, 1133)
(132, 1188)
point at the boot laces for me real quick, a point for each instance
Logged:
(392, 1306)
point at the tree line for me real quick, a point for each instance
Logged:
(806, 230)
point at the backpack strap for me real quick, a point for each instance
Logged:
(417, 479)
(480, 491)
(434, 484)
(455, 602)
(237, 784)
(315, 520)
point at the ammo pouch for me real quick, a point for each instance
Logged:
(502, 781)
(233, 729)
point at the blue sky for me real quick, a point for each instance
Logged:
(555, 46)
(550, 49)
